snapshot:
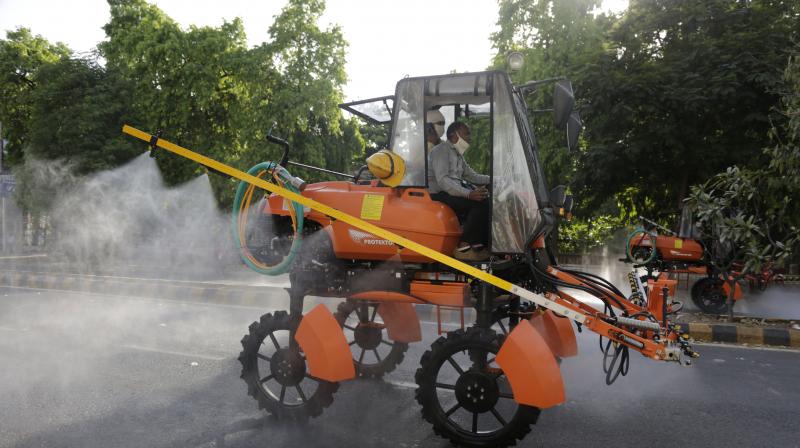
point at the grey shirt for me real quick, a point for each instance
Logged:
(446, 169)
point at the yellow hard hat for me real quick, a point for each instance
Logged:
(387, 166)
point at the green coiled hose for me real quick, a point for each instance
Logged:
(243, 193)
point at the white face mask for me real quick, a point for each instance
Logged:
(461, 145)
(439, 129)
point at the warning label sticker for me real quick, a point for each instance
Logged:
(678, 244)
(372, 206)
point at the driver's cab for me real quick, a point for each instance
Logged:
(503, 145)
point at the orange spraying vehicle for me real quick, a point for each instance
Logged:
(661, 251)
(383, 245)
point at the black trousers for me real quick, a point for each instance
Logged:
(476, 216)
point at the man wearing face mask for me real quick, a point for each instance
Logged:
(452, 181)
(434, 129)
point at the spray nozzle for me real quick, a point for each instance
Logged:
(154, 142)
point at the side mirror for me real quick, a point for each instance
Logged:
(563, 102)
(558, 195)
(574, 127)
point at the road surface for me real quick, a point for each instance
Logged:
(90, 370)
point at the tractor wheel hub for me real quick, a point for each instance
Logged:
(368, 337)
(288, 367)
(477, 391)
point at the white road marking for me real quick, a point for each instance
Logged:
(170, 352)
(403, 384)
(21, 257)
(136, 298)
(264, 284)
(160, 301)
(746, 347)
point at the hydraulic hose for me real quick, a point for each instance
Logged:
(595, 279)
(603, 296)
(241, 204)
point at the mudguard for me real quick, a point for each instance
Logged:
(402, 322)
(327, 353)
(531, 368)
(557, 333)
(737, 290)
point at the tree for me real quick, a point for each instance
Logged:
(187, 83)
(22, 55)
(209, 92)
(75, 118)
(683, 90)
(376, 136)
(670, 92)
(756, 211)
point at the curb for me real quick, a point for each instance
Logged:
(741, 334)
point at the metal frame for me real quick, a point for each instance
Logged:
(348, 107)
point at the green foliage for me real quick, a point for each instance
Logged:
(202, 86)
(21, 57)
(682, 90)
(478, 156)
(376, 137)
(556, 38)
(75, 117)
(756, 211)
(670, 92)
(187, 83)
(583, 235)
(311, 62)
(208, 91)
(342, 152)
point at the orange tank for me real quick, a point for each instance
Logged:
(409, 212)
(673, 248)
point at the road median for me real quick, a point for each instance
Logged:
(743, 330)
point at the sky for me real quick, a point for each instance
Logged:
(388, 39)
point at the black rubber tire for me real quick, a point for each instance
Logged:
(708, 295)
(383, 363)
(695, 288)
(427, 378)
(251, 357)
